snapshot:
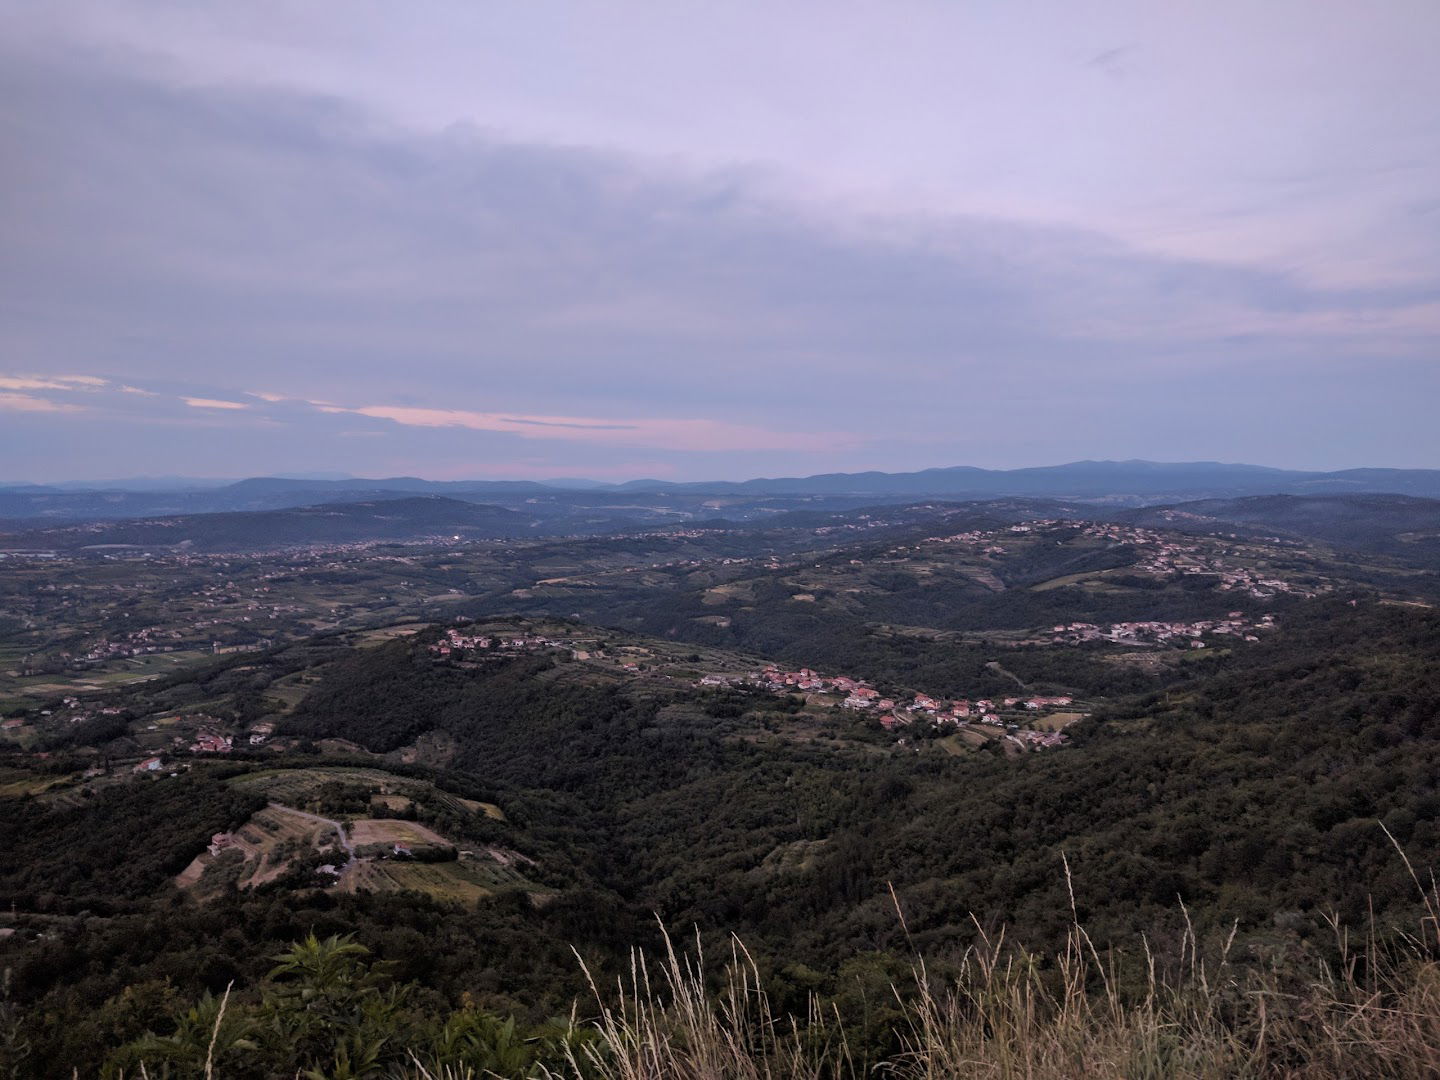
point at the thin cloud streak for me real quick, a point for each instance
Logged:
(274, 409)
(680, 434)
(213, 403)
(51, 382)
(12, 402)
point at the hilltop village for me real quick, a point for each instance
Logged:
(1161, 554)
(1165, 554)
(903, 711)
(891, 714)
(1164, 633)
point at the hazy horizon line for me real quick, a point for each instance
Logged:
(329, 476)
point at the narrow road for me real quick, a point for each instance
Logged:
(994, 665)
(339, 830)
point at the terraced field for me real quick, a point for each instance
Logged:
(463, 881)
(475, 806)
(261, 850)
(300, 787)
(297, 787)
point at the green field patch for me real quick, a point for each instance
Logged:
(390, 831)
(1061, 582)
(443, 881)
(291, 690)
(296, 787)
(490, 810)
(43, 685)
(953, 745)
(476, 874)
(970, 737)
(1057, 721)
(382, 634)
(18, 782)
(392, 802)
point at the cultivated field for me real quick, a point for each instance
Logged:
(465, 880)
(394, 831)
(392, 802)
(490, 810)
(444, 881)
(301, 787)
(296, 787)
(16, 782)
(263, 849)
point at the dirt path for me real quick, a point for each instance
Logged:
(339, 831)
(994, 665)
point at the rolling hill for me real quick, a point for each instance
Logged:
(1397, 524)
(339, 523)
(1127, 483)
(1146, 481)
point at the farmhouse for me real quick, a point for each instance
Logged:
(209, 742)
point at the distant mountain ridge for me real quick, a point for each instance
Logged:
(1122, 483)
(1086, 479)
(331, 523)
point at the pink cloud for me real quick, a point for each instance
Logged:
(50, 382)
(30, 403)
(688, 434)
(529, 468)
(213, 403)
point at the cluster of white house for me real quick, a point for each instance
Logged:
(1129, 633)
(895, 713)
(456, 641)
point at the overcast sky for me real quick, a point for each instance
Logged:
(697, 240)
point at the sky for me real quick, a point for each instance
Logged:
(467, 239)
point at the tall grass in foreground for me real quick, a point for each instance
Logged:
(1007, 1013)
(1010, 1015)
(1013, 1014)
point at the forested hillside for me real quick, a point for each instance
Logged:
(1250, 787)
